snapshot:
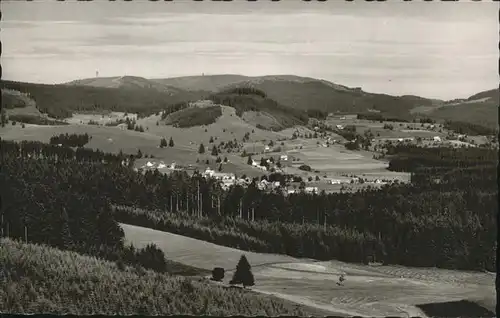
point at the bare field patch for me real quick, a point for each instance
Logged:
(368, 290)
(101, 118)
(192, 251)
(334, 158)
(261, 118)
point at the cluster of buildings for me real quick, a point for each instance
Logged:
(229, 179)
(226, 179)
(269, 165)
(160, 166)
(306, 190)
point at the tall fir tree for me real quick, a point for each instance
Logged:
(163, 143)
(243, 274)
(201, 149)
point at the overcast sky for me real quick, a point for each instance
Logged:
(431, 49)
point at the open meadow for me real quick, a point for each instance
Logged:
(368, 290)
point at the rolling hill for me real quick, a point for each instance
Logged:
(301, 93)
(254, 106)
(147, 96)
(60, 101)
(304, 93)
(480, 109)
(126, 82)
(210, 83)
(43, 279)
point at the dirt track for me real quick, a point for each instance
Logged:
(367, 291)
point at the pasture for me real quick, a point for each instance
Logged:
(367, 291)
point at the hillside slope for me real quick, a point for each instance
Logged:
(147, 96)
(368, 291)
(210, 83)
(272, 115)
(60, 101)
(129, 82)
(304, 93)
(40, 279)
(480, 109)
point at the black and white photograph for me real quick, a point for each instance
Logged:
(249, 158)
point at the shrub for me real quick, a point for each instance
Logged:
(305, 168)
(153, 258)
(218, 274)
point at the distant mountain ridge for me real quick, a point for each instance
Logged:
(295, 92)
(301, 93)
(129, 82)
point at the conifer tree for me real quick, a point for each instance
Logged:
(214, 151)
(243, 274)
(163, 143)
(171, 142)
(3, 117)
(201, 149)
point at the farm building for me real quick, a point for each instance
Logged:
(122, 126)
(219, 175)
(311, 189)
(284, 157)
(437, 138)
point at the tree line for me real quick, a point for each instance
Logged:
(73, 140)
(255, 101)
(445, 218)
(469, 128)
(60, 101)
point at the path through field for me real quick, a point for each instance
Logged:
(367, 291)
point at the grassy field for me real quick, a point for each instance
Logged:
(328, 161)
(192, 251)
(187, 140)
(39, 279)
(368, 290)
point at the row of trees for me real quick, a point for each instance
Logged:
(469, 128)
(73, 140)
(447, 223)
(163, 143)
(60, 101)
(381, 117)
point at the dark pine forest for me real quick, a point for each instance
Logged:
(445, 218)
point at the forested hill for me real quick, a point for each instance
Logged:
(60, 101)
(300, 93)
(446, 218)
(146, 96)
(247, 99)
(305, 93)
